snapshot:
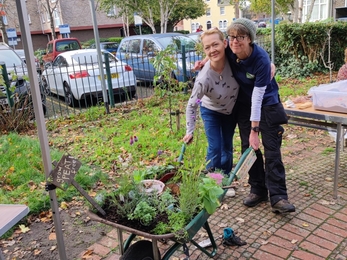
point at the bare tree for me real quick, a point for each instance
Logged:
(329, 64)
(309, 12)
(47, 7)
(8, 13)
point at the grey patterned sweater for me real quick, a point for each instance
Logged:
(213, 91)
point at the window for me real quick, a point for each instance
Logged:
(112, 11)
(208, 25)
(222, 10)
(48, 17)
(319, 12)
(222, 24)
(134, 46)
(4, 20)
(225, 24)
(43, 18)
(29, 19)
(208, 11)
(56, 18)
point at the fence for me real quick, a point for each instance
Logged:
(73, 84)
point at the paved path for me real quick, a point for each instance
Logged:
(317, 230)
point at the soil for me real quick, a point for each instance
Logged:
(80, 232)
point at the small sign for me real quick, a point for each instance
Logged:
(64, 29)
(12, 41)
(249, 157)
(137, 19)
(11, 33)
(65, 171)
(63, 175)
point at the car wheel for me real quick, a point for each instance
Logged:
(141, 250)
(69, 98)
(45, 87)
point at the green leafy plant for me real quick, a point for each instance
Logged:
(210, 192)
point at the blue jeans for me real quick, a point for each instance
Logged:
(219, 129)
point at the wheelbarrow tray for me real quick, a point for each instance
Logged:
(199, 221)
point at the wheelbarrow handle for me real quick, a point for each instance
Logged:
(183, 149)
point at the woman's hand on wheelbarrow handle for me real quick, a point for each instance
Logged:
(188, 138)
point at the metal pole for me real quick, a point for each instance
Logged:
(101, 66)
(39, 117)
(273, 31)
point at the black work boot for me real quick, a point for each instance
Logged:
(234, 241)
(283, 206)
(253, 200)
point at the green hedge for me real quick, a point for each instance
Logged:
(302, 49)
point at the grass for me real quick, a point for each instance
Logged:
(102, 143)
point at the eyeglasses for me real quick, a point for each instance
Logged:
(238, 38)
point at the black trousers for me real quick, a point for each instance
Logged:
(271, 178)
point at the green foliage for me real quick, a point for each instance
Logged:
(144, 213)
(154, 172)
(301, 48)
(210, 192)
(22, 175)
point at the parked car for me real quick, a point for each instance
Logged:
(137, 51)
(75, 75)
(108, 46)
(195, 36)
(20, 87)
(262, 25)
(57, 46)
(21, 54)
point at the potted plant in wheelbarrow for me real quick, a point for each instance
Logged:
(175, 210)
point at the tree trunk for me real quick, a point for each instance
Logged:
(309, 12)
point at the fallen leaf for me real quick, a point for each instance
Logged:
(324, 202)
(294, 241)
(307, 195)
(224, 206)
(52, 236)
(329, 179)
(87, 254)
(24, 229)
(64, 205)
(264, 242)
(53, 248)
(305, 224)
(241, 220)
(37, 252)
(222, 225)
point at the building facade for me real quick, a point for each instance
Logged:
(75, 13)
(219, 13)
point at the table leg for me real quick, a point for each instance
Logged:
(337, 158)
(120, 241)
(1, 256)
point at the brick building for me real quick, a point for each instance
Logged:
(76, 13)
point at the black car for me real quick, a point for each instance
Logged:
(18, 77)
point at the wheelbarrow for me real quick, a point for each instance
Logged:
(148, 249)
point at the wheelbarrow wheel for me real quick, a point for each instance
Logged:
(141, 250)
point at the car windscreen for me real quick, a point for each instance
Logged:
(10, 58)
(177, 42)
(67, 45)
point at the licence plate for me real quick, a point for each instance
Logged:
(113, 76)
(3, 101)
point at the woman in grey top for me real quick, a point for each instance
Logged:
(215, 91)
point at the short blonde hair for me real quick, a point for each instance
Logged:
(346, 55)
(212, 31)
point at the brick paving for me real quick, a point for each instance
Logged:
(317, 230)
